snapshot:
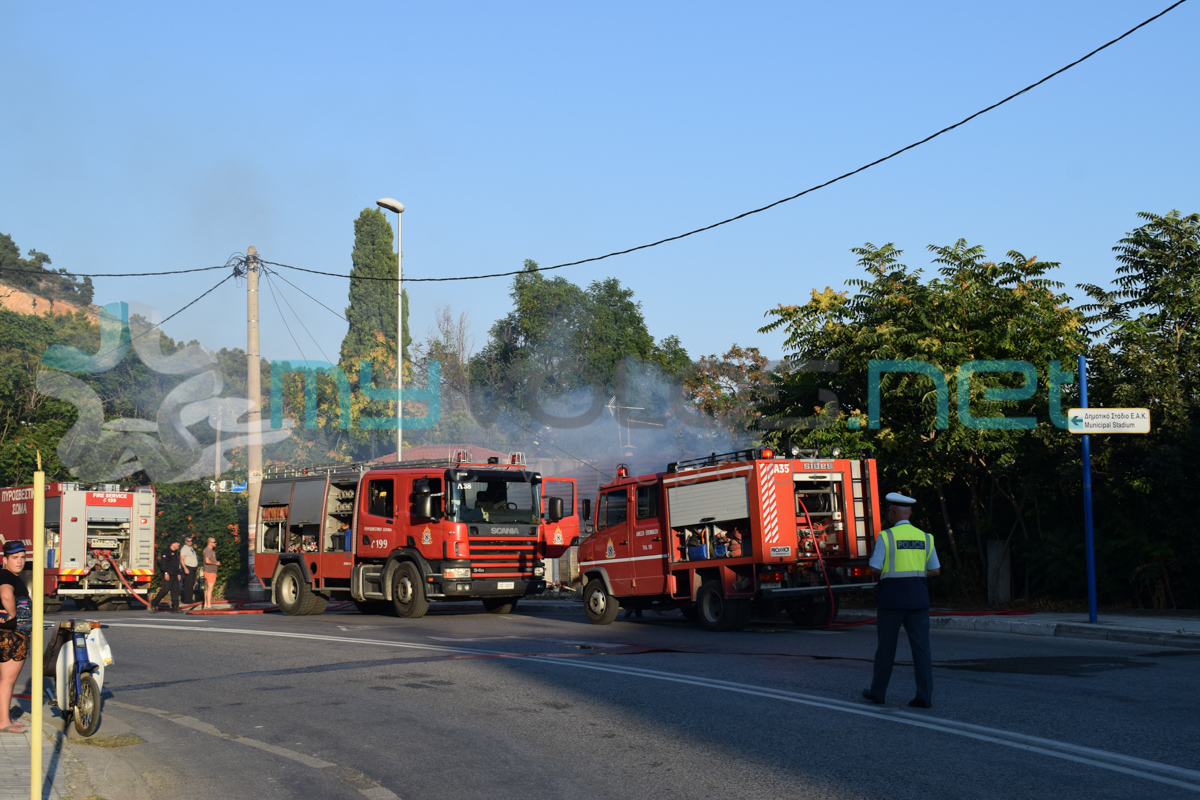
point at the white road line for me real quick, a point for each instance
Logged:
(376, 792)
(1102, 759)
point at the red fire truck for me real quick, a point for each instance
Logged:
(397, 536)
(86, 528)
(712, 536)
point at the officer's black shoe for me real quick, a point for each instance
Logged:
(866, 693)
(917, 703)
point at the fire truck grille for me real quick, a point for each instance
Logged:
(496, 554)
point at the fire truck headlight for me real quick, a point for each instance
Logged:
(457, 572)
(539, 571)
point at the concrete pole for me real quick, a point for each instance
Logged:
(254, 394)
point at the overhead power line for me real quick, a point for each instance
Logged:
(64, 273)
(759, 210)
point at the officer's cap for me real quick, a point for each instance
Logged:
(13, 547)
(897, 499)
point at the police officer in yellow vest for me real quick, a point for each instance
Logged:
(903, 557)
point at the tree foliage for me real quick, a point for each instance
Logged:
(32, 275)
(973, 310)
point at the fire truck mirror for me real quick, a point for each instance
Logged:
(554, 508)
(423, 506)
(587, 509)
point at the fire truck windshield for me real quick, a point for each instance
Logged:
(492, 497)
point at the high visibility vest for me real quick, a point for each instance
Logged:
(907, 552)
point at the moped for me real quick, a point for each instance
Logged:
(76, 655)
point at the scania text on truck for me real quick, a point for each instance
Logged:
(397, 536)
(87, 528)
(719, 535)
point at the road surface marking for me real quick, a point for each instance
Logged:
(374, 791)
(1102, 759)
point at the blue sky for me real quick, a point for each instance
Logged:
(158, 136)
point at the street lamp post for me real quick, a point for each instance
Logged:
(395, 205)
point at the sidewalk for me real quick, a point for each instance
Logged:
(74, 771)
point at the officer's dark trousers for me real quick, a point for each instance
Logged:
(188, 590)
(916, 625)
(171, 585)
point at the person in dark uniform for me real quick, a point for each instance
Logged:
(168, 567)
(903, 558)
(16, 625)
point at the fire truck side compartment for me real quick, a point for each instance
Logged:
(74, 515)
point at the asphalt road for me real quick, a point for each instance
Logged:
(471, 705)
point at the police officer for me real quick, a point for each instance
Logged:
(903, 557)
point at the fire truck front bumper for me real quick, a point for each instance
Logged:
(799, 591)
(512, 587)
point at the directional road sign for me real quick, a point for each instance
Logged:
(1108, 420)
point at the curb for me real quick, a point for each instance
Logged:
(1019, 625)
(1025, 626)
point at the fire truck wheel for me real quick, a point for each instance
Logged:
(292, 592)
(717, 613)
(500, 605)
(51, 604)
(599, 606)
(812, 612)
(408, 595)
(320, 602)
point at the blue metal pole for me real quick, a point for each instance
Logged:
(1089, 539)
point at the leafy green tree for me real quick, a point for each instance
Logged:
(371, 335)
(975, 310)
(559, 338)
(1149, 357)
(32, 276)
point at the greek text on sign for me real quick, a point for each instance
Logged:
(1108, 420)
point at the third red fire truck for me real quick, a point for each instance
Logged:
(714, 536)
(87, 528)
(397, 536)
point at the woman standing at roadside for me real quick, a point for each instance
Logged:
(16, 623)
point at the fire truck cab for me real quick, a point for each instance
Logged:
(713, 535)
(397, 536)
(87, 528)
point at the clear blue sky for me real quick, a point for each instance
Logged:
(156, 136)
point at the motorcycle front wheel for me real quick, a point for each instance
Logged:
(86, 707)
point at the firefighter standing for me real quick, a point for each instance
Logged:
(903, 557)
(168, 565)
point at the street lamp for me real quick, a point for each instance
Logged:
(389, 204)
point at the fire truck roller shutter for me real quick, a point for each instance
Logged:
(73, 534)
(716, 500)
(141, 531)
(308, 505)
(274, 494)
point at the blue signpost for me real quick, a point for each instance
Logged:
(1087, 498)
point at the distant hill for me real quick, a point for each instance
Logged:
(25, 302)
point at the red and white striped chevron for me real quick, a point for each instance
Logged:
(766, 496)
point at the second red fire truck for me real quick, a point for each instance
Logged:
(87, 529)
(716, 535)
(398, 536)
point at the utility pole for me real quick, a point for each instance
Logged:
(254, 394)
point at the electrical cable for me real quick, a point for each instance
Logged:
(168, 319)
(299, 319)
(745, 214)
(64, 273)
(284, 319)
(309, 296)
